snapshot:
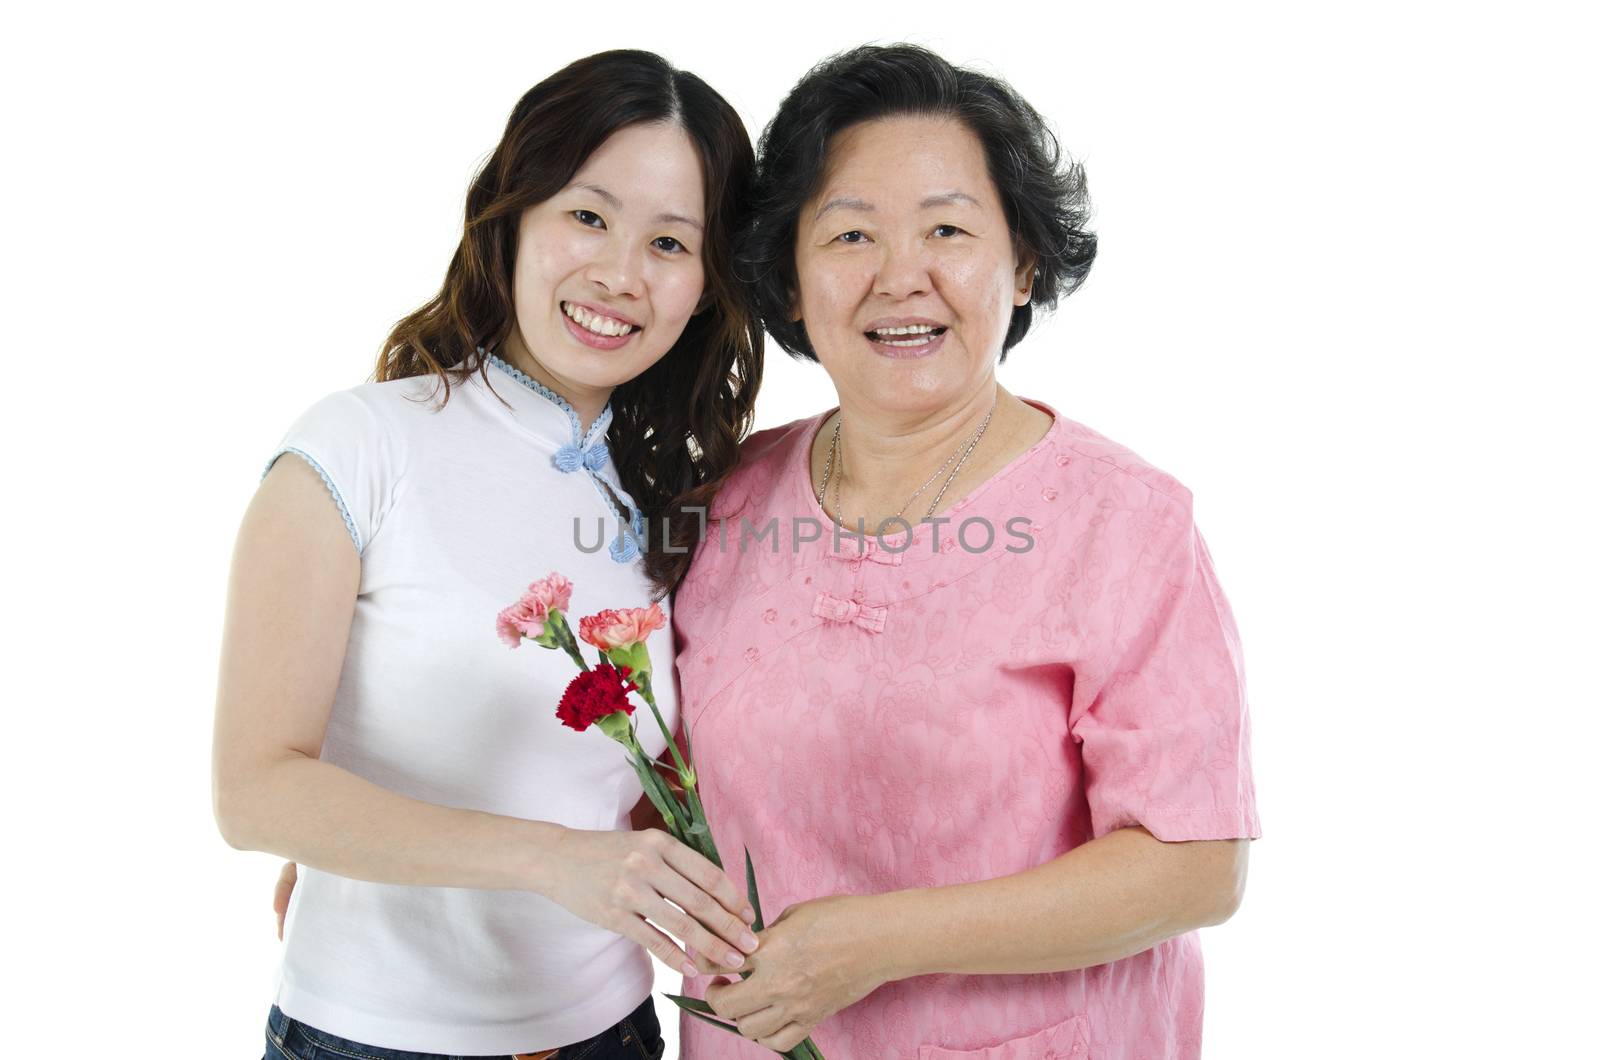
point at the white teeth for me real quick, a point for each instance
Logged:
(594, 322)
(917, 335)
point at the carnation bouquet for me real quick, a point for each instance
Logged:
(600, 696)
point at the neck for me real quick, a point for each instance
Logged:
(888, 455)
(586, 401)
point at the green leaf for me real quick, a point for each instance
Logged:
(750, 891)
(654, 791)
(708, 849)
(693, 1004)
(698, 1010)
(806, 1050)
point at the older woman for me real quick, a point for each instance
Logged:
(992, 760)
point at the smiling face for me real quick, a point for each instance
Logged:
(608, 270)
(906, 270)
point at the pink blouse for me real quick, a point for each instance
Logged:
(917, 714)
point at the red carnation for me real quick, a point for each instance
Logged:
(595, 693)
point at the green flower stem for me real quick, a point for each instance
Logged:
(688, 748)
(556, 623)
(617, 726)
(699, 812)
(677, 818)
(658, 798)
(686, 775)
(685, 820)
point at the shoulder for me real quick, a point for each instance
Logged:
(776, 444)
(401, 403)
(767, 459)
(1099, 504)
(387, 413)
(364, 435)
(1113, 473)
(373, 404)
(364, 443)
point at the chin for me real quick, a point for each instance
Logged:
(608, 375)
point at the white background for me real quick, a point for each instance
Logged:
(1345, 294)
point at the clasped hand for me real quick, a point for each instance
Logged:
(643, 885)
(811, 963)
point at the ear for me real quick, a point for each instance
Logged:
(1027, 266)
(707, 300)
(794, 306)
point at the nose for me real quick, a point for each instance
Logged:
(619, 268)
(902, 271)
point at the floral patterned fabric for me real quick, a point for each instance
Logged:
(914, 715)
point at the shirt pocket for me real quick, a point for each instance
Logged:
(1068, 1040)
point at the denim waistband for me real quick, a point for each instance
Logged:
(283, 1027)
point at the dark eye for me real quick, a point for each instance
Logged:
(668, 244)
(852, 236)
(590, 218)
(946, 231)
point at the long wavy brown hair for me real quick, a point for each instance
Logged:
(675, 428)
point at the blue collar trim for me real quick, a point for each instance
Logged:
(585, 450)
(589, 453)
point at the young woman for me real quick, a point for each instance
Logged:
(470, 885)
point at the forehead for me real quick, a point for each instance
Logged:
(656, 165)
(906, 157)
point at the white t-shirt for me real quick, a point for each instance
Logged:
(454, 513)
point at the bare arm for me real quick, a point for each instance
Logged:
(643, 816)
(1107, 899)
(291, 598)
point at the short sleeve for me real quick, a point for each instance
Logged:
(342, 439)
(1165, 730)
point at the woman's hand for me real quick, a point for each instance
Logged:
(280, 894)
(815, 959)
(635, 883)
(619, 879)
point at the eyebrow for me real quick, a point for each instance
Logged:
(846, 202)
(949, 198)
(661, 218)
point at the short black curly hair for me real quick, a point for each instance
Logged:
(1044, 194)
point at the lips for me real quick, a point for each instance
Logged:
(602, 322)
(904, 333)
(905, 336)
(907, 341)
(598, 330)
(911, 335)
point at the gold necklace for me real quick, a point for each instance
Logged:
(963, 450)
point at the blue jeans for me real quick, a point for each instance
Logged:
(636, 1037)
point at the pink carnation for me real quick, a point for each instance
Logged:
(613, 629)
(516, 622)
(525, 618)
(550, 593)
